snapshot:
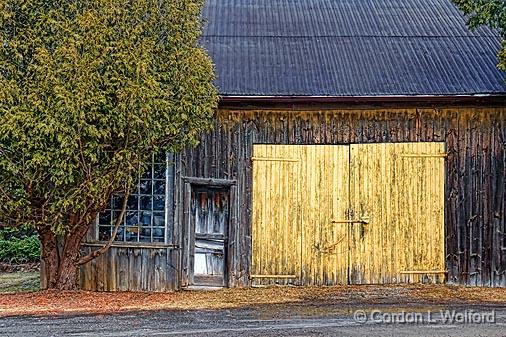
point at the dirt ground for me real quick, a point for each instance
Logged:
(51, 303)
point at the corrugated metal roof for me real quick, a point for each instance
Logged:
(349, 48)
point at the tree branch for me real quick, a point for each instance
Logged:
(96, 253)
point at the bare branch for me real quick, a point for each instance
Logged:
(96, 253)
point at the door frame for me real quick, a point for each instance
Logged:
(187, 227)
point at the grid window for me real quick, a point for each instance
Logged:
(144, 219)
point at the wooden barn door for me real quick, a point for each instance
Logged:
(397, 193)
(324, 197)
(208, 236)
(277, 231)
(297, 191)
(359, 214)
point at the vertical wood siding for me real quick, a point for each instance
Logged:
(475, 193)
(276, 215)
(297, 192)
(131, 269)
(399, 189)
(475, 188)
(339, 214)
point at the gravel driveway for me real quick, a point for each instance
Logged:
(301, 319)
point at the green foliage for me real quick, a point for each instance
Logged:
(7, 233)
(90, 89)
(487, 12)
(18, 245)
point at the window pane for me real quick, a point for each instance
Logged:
(120, 236)
(159, 187)
(158, 239)
(105, 218)
(158, 219)
(158, 234)
(159, 171)
(131, 233)
(104, 233)
(145, 187)
(117, 202)
(159, 203)
(132, 202)
(145, 218)
(132, 218)
(147, 173)
(145, 235)
(116, 215)
(146, 202)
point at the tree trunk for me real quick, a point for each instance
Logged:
(61, 267)
(61, 262)
(67, 270)
(50, 256)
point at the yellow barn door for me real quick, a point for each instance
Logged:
(361, 214)
(398, 191)
(324, 197)
(297, 191)
(277, 224)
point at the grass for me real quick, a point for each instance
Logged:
(19, 282)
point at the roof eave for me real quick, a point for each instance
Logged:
(474, 99)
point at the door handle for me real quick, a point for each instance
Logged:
(362, 221)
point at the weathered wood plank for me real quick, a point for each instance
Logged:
(475, 175)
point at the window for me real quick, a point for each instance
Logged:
(144, 219)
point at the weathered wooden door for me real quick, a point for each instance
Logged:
(277, 231)
(297, 191)
(365, 213)
(208, 236)
(397, 201)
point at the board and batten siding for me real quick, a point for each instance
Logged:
(475, 182)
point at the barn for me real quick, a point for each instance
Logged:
(356, 142)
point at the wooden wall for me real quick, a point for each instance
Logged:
(475, 219)
(130, 268)
(475, 222)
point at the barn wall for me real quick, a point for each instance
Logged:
(475, 221)
(475, 172)
(133, 266)
(131, 269)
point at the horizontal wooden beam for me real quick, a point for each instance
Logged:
(132, 245)
(329, 103)
(202, 236)
(210, 181)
